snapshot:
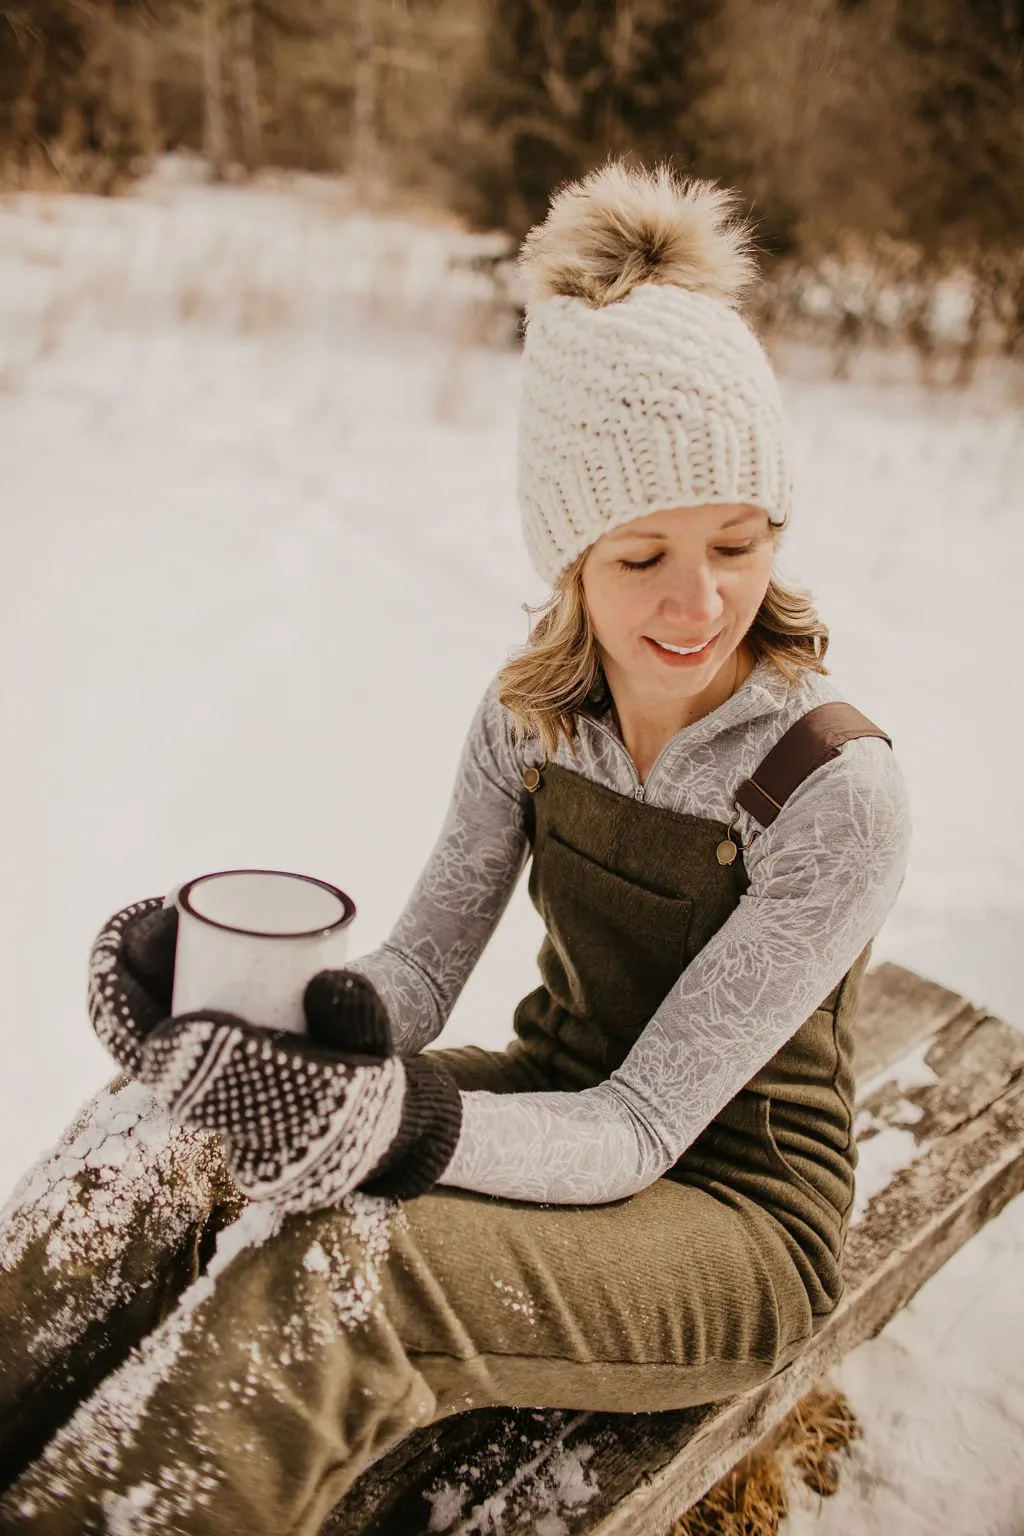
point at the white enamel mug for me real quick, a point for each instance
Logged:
(250, 939)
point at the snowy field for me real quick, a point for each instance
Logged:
(260, 556)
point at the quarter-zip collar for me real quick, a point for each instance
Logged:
(762, 693)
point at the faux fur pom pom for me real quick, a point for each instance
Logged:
(619, 226)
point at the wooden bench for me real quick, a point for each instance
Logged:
(941, 1097)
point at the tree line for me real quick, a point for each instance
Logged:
(898, 120)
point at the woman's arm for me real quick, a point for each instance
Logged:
(823, 878)
(465, 886)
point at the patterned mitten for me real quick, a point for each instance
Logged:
(303, 1124)
(131, 974)
(304, 1120)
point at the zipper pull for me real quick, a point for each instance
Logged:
(638, 793)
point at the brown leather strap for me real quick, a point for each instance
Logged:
(809, 742)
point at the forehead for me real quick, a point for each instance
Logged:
(711, 518)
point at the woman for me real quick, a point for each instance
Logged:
(642, 1203)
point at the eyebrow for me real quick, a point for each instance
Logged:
(626, 533)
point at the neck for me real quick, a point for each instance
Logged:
(646, 726)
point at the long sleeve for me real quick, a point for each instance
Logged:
(823, 878)
(423, 964)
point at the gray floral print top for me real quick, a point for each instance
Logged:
(823, 878)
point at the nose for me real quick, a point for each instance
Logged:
(693, 600)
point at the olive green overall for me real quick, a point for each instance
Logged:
(629, 893)
(271, 1397)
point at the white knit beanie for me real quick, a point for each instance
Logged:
(642, 386)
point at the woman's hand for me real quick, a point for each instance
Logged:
(304, 1120)
(131, 974)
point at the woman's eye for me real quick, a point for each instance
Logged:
(639, 565)
(731, 551)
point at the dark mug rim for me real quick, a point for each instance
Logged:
(183, 898)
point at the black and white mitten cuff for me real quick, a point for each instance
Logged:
(427, 1134)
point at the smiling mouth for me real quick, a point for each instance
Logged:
(683, 650)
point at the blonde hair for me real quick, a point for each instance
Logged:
(558, 674)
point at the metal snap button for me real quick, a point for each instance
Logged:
(728, 849)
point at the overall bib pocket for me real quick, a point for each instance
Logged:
(593, 915)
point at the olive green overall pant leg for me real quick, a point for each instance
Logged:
(305, 1352)
(252, 1399)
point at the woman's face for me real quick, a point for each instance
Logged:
(691, 576)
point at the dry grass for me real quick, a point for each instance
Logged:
(752, 1500)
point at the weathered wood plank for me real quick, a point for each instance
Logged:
(973, 1175)
(898, 1010)
(631, 1474)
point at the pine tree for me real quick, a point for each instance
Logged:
(968, 60)
(558, 88)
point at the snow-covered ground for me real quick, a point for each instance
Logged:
(259, 557)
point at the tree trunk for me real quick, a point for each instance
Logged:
(363, 154)
(215, 128)
(246, 83)
(145, 108)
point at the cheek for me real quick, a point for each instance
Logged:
(748, 588)
(607, 604)
(624, 610)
